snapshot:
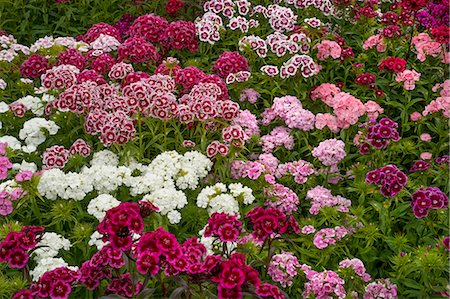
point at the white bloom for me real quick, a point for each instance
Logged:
(32, 132)
(174, 216)
(13, 143)
(48, 264)
(4, 107)
(96, 239)
(24, 165)
(2, 84)
(100, 205)
(49, 246)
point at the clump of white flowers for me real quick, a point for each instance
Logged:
(33, 135)
(100, 205)
(160, 181)
(218, 198)
(45, 254)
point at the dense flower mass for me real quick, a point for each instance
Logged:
(225, 149)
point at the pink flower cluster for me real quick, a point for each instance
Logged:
(428, 198)
(382, 288)
(283, 268)
(98, 29)
(327, 48)
(358, 266)
(223, 226)
(72, 57)
(330, 152)
(300, 170)
(323, 284)
(329, 236)
(15, 246)
(424, 46)
(442, 103)
(137, 49)
(321, 197)
(290, 68)
(408, 78)
(249, 95)
(279, 136)
(150, 27)
(248, 122)
(375, 41)
(5, 164)
(179, 35)
(270, 222)
(391, 178)
(290, 110)
(347, 109)
(281, 198)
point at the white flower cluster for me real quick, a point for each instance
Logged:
(98, 206)
(105, 43)
(48, 41)
(50, 245)
(218, 198)
(34, 104)
(159, 181)
(48, 264)
(13, 143)
(47, 249)
(3, 109)
(9, 48)
(33, 134)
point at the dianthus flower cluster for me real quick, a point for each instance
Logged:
(424, 46)
(179, 35)
(223, 226)
(60, 77)
(330, 152)
(378, 135)
(442, 103)
(55, 156)
(300, 170)
(137, 49)
(408, 78)
(15, 246)
(420, 165)
(221, 198)
(80, 147)
(391, 179)
(381, 288)
(235, 275)
(328, 236)
(258, 45)
(290, 110)
(34, 66)
(281, 44)
(327, 48)
(120, 223)
(280, 18)
(323, 284)
(367, 79)
(347, 109)
(283, 268)
(325, 6)
(434, 15)
(428, 198)
(395, 64)
(270, 223)
(279, 136)
(358, 266)
(230, 63)
(208, 27)
(321, 197)
(96, 30)
(375, 41)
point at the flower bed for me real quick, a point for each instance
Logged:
(255, 149)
